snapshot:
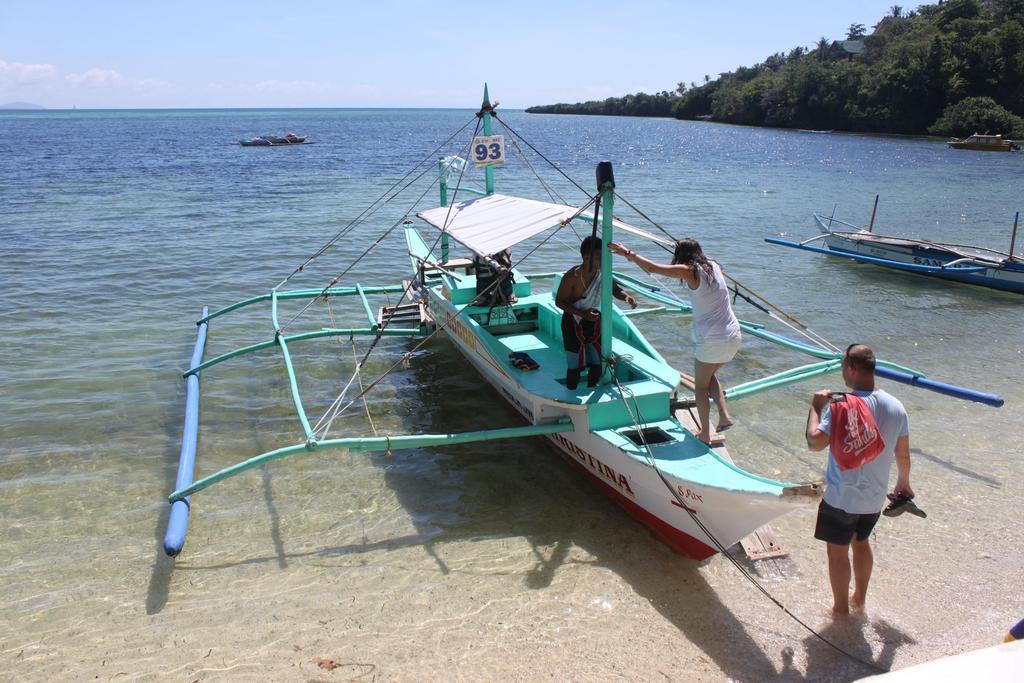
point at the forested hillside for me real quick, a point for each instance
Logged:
(951, 68)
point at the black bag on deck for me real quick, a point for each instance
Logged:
(487, 292)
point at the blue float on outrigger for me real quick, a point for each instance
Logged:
(631, 435)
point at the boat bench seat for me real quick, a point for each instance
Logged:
(533, 326)
(650, 391)
(463, 287)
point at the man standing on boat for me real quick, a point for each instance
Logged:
(865, 431)
(579, 297)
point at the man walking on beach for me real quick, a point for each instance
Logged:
(865, 431)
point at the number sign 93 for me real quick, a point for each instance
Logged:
(488, 150)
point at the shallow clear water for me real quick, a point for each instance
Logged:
(475, 561)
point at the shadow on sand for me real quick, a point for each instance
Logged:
(163, 566)
(522, 489)
(953, 467)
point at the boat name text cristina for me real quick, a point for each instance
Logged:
(615, 478)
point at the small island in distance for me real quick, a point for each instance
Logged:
(21, 105)
(953, 68)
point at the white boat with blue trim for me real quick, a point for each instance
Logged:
(631, 434)
(961, 263)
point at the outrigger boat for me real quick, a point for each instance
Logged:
(973, 265)
(288, 138)
(631, 435)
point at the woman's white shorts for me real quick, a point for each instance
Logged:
(717, 350)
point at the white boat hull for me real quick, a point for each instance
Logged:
(1007, 275)
(630, 481)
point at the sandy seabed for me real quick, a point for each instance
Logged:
(311, 583)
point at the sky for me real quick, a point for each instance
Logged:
(102, 54)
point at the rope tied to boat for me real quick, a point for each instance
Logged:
(401, 221)
(374, 206)
(440, 326)
(808, 332)
(638, 420)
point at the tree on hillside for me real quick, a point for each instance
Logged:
(910, 71)
(1006, 10)
(951, 10)
(855, 31)
(978, 115)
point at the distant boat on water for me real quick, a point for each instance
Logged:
(983, 143)
(289, 138)
(971, 264)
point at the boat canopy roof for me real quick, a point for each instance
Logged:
(490, 224)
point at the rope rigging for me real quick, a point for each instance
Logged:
(400, 221)
(373, 207)
(806, 331)
(442, 325)
(341, 404)
(338, 406)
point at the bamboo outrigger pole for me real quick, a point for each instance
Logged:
(375, 443)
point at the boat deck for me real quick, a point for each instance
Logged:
(651, 381)
(533, 326)
(938, 248)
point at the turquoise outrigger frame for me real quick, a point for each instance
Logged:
(180, 499)
(185, 485)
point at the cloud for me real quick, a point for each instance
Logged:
(150, 84)
(15, 73)
(94, 78)
(286, 87)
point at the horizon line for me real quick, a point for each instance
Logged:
(74, 108)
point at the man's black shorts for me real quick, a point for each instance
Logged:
(838, 526)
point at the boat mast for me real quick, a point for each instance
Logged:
(873, 210)
(606, 188)
(1013, 235)
(443, 185)
(485, 111)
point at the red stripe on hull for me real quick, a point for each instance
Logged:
(679, 541)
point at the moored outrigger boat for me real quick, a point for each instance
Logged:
(630, 434)
(288, 138)
(970, 264)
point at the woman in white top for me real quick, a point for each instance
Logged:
(715, 329)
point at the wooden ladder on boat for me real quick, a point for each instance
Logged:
(761, 544)
(413, 311)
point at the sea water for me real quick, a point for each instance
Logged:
(483, 561)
